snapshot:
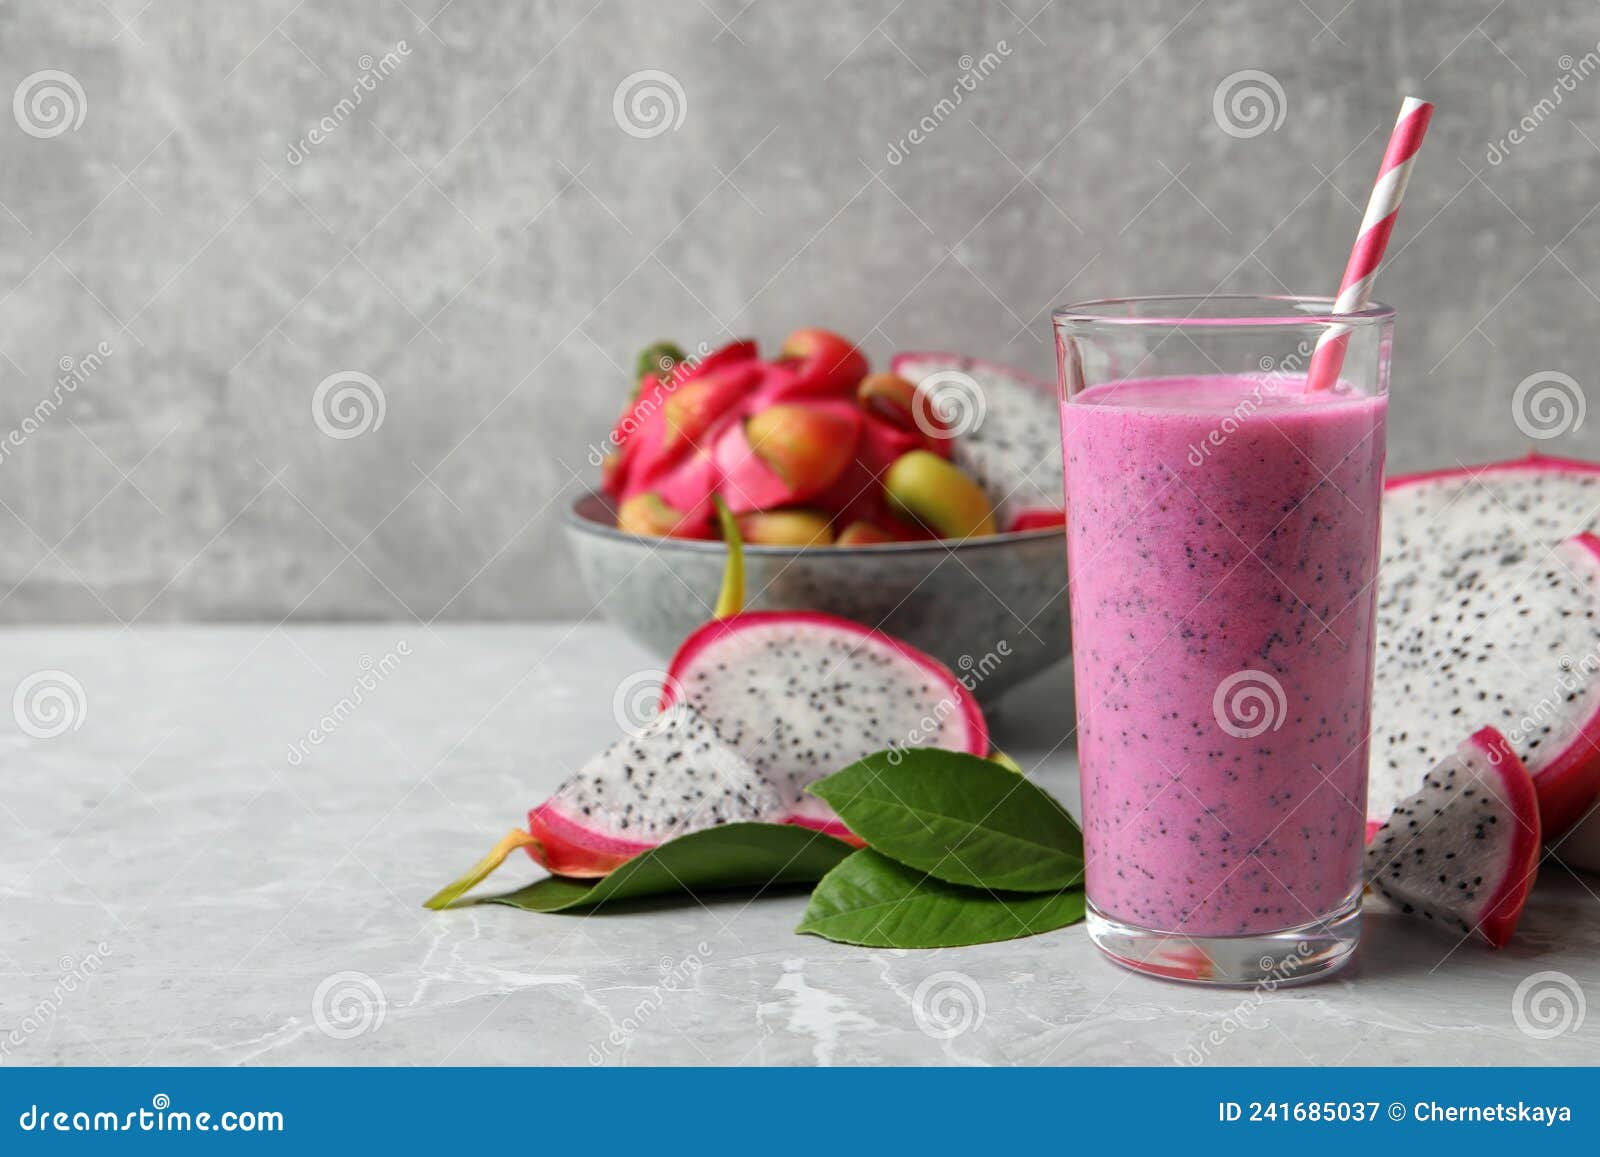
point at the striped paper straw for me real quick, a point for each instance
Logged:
(1355, 291)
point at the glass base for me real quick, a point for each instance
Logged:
(1288, 956)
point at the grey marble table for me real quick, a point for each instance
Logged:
(186, 877)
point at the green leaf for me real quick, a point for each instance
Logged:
(872, 901)
(959, 818)
(727, 856)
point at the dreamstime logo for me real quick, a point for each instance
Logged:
(949, 404)
(1274, 972)
(636, 704)
(675, 975)
(1274, 373)
(1548, 404)
(160, 1118)
(74, 372)
(1572, 677)
(1248, 103)
(373, 672)
(672, 375)
(348, 1004)
(1548, 1004)
(931, 726)
(373, 71)
(1573, 72)
(348, 404)
(48, 103)
(649, 103)
(73, 974)
(1248, 703)
(948, 1004)
(49, 703)
(973, 71)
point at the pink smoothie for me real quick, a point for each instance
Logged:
(1222, 532)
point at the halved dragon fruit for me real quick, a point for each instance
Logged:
(1463, 852)
(801, 695)
(1489, 610)
(1013, 449)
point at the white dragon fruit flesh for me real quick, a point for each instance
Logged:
(1489, 612)
(1008, 437)
(676, 776)
(1463, 851)
(801, 695)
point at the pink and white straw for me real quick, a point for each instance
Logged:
(1355, 291)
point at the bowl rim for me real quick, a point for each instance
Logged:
(574, 517)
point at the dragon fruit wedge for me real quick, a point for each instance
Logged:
(1008, 438)
(676, 776)
(1489, 611)
(1463, 851)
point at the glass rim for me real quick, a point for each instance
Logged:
(1312, 309)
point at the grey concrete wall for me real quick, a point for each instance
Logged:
(482, 238)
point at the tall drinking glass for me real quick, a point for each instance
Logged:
(1222, 540)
